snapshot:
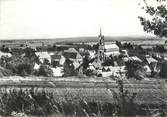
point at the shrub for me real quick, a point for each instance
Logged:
(134, 69)
(45, 70)
(163, 70)
(29, 102)
(108, 62)
(125, 105)
(5, 72)
(20, 65)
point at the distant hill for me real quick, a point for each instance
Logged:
(80, 39)
(107, 38)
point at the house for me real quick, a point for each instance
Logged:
(113, 71)
(43, 56)
(5, 54)
(147, 70)
(157, 56)
(73, 54)
(81, 50)
(72, 62)
(97, 65)
(51, 53)
(151, 60)
(91, 67)
(92, 54)
(57, 72)
(135, 58)
(112, 49)
(132, 58)
(57, 59)
(76, 65)
(165, 57)
(152, 63)
(124, 53)
(36, 66)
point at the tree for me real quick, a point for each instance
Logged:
(86, 62)
(159, 48)
(134, 69)
(163, 70)
(118, 43)
(4, 48)
(95, 47)
(19, 65)
(156, 23)
(108, 62)
(45, 70)
(29, 52)
(69, 68)
(5, 72)
(125, 101)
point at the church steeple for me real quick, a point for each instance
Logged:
(101, 38)
(101, 47)
(100, 32)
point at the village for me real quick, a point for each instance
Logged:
(102, 78)
(83, 58)
(114, 60)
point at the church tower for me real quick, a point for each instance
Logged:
(101, 48)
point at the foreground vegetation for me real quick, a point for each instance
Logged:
(74, 102)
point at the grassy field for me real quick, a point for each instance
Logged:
(72, 92)
(91, 88)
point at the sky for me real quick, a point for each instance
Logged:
(35, 19)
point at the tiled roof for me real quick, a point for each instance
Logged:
(72, 53)
(151, 60)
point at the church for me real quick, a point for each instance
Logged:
(106, 50)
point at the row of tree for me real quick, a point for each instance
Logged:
(22, 63)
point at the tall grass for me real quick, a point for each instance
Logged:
(32, 102)
(43, 103)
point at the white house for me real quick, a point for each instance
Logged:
(42, 56)
(5, 54)
(57, 72)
